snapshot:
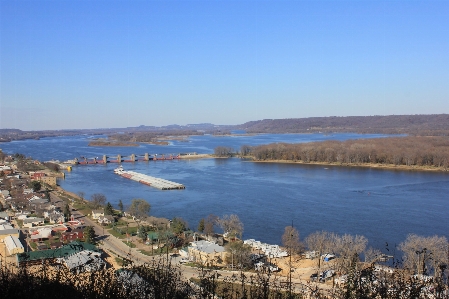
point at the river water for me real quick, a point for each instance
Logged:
(382, 205)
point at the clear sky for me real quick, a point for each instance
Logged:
(99, 64)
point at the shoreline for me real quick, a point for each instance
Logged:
(365, 165)
(197, 156)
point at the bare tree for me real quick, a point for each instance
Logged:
(245, 150)
(290, 239)
(209, 224)
(347, 247)
(139, 208)
(81, 194)
(239, 254)
(425, 255)
(319, 242)
(231, 225)
(97, 200)
(222, 151)
(372, 255)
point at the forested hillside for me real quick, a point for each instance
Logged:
(423, 125)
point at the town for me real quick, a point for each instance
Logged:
(40, 223)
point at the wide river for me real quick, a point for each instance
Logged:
(383, 205)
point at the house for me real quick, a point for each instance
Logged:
(56, 218)
(85, 260)
(41, 233)
(13, 245)
(32, 221)
(75, 234)
(9, 232)
(6, 169)
(206, 252)
(49, 180)
(108, 219)
(97, 213)
(38, 257)
(34, 199)
(5, 226)
(27, 191)
(153, 237)
(4, 215)
(36, 176)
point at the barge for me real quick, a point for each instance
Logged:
(148, 180)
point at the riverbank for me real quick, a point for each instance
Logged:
(363, 165)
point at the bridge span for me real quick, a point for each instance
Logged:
(129, 158)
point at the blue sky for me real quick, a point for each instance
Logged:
(100, 64)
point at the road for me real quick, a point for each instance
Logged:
(116, 246)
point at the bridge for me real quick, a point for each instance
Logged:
(126, 158)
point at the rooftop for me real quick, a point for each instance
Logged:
(66, 250)
(207, 247)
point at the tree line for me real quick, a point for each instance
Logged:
(409, 151)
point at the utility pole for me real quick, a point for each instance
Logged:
(290, 274)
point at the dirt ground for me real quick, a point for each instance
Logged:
(110, 259)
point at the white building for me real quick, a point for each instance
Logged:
(13, 245)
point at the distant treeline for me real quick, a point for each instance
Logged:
(150, 136)
(409, 151)
(7, 135)
(423, 125)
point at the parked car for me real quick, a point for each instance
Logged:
(316, 277)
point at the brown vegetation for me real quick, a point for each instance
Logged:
(151, 136)
(408, 151)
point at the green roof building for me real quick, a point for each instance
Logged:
(38, 257)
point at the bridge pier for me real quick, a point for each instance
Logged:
(105, 159)
(119, 158)
(147, 157)
(133, 157)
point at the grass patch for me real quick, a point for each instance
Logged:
(20, 223)
(116, 234)
(130, 244)
(158, 251)
(33, 245)
(146, 252)
(121, 223)
(132, 230)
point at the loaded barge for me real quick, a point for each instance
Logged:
(148, 180)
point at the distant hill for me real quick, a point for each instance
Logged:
(425, 125)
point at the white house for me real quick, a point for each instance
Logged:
(97, 213)
(33, 221)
